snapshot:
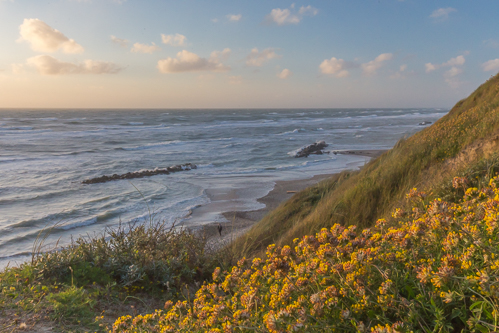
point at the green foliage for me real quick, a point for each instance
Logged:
(72, 306)
(137, 256)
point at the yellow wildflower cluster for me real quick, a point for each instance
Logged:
(438, 271)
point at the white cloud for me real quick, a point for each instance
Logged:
(234, 18)
(491, 65)
(215, 20)
(44, 38)
(453, 72)
(144, 48)
(442, 13)
(286, 73)
(283, 16)
(257, 59)
(286, 16)
(335, 67)
(174, 40)
(457, 61)
(372, 66)
(119, 41)
(47, 65)
(429, 67)
(238, 79)
(451, 76)
(190, 62)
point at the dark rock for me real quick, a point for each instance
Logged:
(315, 148)
(141, 174)
(425, 123)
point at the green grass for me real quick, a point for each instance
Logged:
(129, 269)
(359, 198)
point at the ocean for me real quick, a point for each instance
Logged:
(46, 154)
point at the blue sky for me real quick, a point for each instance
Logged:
(244, 54)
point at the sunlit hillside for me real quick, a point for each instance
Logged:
(427, 159)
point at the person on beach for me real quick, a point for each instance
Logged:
(220, 229)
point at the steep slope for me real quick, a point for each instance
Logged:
(464, 136)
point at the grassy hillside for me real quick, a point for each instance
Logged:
(437, 271)
(466, 134)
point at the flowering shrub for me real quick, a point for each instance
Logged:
(136, 256)
(437, 271)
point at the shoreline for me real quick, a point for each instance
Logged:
(241, 221)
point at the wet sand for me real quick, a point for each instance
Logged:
(242, 221)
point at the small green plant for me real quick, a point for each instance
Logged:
(72, 306)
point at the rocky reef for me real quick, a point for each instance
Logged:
(142, 173)
(315, 148)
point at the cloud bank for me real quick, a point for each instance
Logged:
(44, 38)
(47, 65)
(190, 62)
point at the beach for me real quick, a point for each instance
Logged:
(240, 222)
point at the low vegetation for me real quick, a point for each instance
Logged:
(127, 269)
(436, 271)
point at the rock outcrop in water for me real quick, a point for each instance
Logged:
(315, 148)
(141, 174)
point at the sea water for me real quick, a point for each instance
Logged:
(46, 154)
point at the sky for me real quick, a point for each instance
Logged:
(245, 54)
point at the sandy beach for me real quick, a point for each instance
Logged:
(242, 221)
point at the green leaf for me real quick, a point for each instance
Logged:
(455, 313)
(432, 302)
(410, 291)
(474, 305)
(488, 314)
(482, 328)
